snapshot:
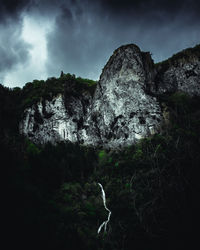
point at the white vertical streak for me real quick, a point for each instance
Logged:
(104, 224)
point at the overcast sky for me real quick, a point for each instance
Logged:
(38, 38)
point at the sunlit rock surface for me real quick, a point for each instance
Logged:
(51, 121)
(124, 107)
(122, 112)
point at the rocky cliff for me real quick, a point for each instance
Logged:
(124, 107)
(181, 72)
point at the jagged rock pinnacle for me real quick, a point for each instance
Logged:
(124, 107)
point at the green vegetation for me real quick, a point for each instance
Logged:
(39, 90)
(32, 149)
(35, 91)
(14, 101)
(53, 200)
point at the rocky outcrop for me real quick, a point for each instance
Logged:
(179, 73)
(124, 107)
(51, 121)
(122, 112)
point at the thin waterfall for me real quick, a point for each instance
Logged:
(104, 224)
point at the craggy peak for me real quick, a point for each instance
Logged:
(111, 164)
(123, 107)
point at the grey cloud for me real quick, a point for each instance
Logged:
(86, 31)
(81, 43)
(76, 44)
(12, 9)
(13, 50)
(166, 6)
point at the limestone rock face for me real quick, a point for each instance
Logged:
(182, 75)
(51, 121)
(122, 112)
(124, 107)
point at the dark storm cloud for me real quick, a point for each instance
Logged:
(86, 32)
(153, 12)
(13, 50)
(12, 8)
(75, 44)
(166, 6)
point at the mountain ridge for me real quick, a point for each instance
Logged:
(125, 105)
(151, 186)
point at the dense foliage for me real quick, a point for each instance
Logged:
(14, 101)
(38, 90)
(54, 202)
